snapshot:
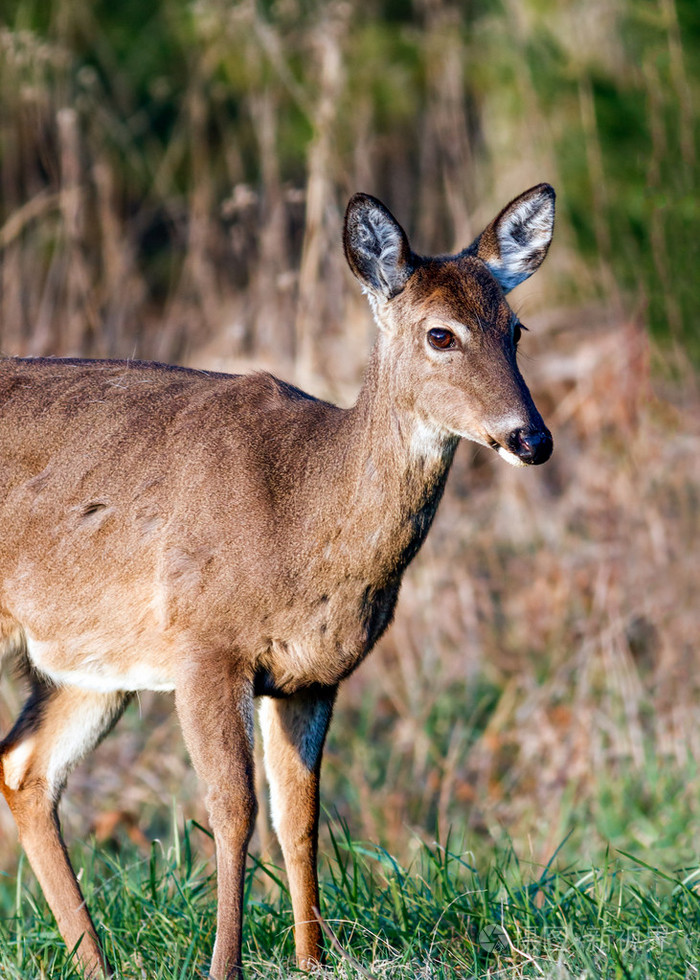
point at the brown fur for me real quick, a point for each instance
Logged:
(227, 537)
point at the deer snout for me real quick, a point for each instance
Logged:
(531, 445)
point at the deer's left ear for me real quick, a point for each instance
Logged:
(376, 247)
(514, 245)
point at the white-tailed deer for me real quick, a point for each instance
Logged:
(229, 537)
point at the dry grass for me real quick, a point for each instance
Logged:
(566, 596)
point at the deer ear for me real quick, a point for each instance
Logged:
(514, 245)
(376, 247)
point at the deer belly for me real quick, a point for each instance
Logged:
(87, 666)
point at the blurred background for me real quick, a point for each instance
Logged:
(173, 178)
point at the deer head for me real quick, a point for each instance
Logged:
(446, 324)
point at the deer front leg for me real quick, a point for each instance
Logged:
(294, 732)
(215, 708)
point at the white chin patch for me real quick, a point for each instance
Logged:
(510, 457)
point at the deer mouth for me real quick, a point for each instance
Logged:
(525, 447)
(507, 455)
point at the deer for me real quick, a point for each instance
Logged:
(230, 537)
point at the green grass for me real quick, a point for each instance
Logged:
(620, 919)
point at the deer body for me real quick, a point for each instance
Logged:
(333, 526)
(229, 537)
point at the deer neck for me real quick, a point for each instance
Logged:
(397, 465)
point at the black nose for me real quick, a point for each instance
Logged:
(531, 445)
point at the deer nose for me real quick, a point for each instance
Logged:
(531, 445)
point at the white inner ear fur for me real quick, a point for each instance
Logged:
(522, 232)
(388, 236)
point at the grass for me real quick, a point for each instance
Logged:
(438, 918)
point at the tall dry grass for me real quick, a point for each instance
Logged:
(175, 175)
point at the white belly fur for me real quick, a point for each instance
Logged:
(93, 671)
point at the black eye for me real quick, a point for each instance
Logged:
(441, 339)
(518, 332)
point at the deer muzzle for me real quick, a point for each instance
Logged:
(531, 446)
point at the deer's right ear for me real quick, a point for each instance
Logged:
(376, 247)
(514, 245)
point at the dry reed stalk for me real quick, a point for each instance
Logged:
(599, 190)
(536, 132)
(121, 287)
(20, 219)
(319, 189)
(12, 322)
(655, 180)
(273, 313)
(446, 144)
(680, 82)
(44, 338)
(194, 306)
(81, 318)
(11, 313)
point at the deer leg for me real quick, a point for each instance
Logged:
(294, 732)
(215, 707)
(56, 728)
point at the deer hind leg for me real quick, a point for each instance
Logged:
(294, 731)
(57, 727)
(215, 707)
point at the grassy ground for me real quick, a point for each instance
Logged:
(450, 914)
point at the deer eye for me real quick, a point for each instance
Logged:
(518, 332)
(441, 339)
